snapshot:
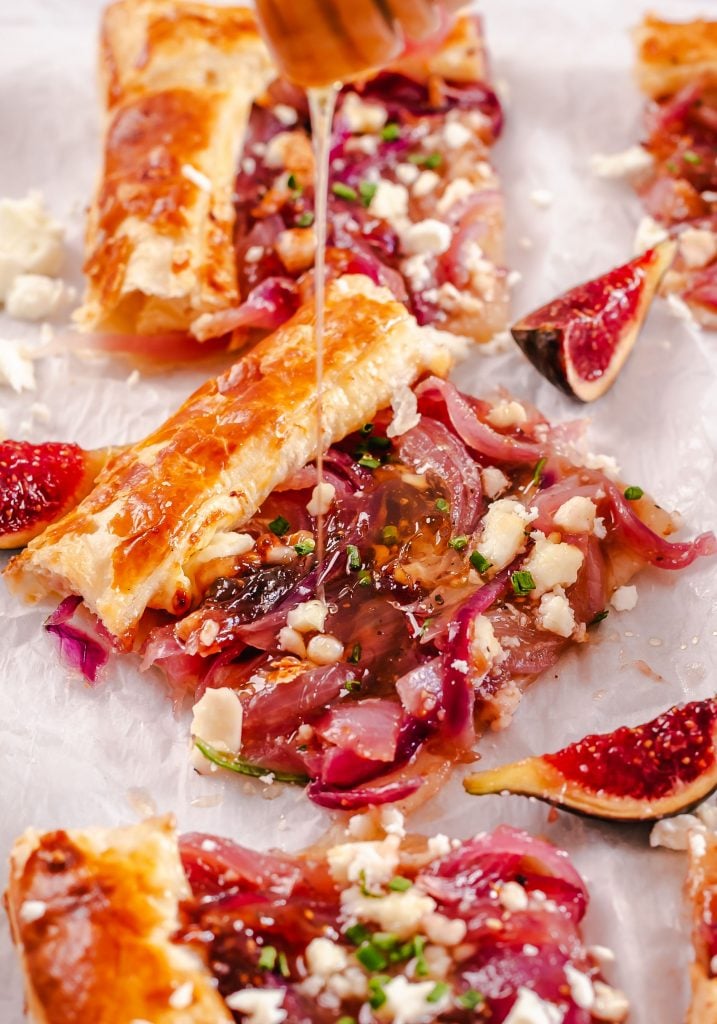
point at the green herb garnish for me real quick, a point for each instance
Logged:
(267, 959)
(390, 132)
(633, 493)
(294, 185)
(305, 547)
(357, 934)
(538, 472)
(344, 191)
(470, 999)
(442, 505)
(430, 160)
(399, 884)
(439, 990)
(242, 767)
(599, 617)
(371, 957)
(366, 428)
(385, 941)
(368, 462)
(377, 996)
(353, 561)
(690, 157)
(523, 582)
(284, 966)
(389, 534)
(479, 562)
(352, 685)
(279, 526)
(367, 190)
(355, 655)
(305, 219)
(458, 543)
(364, 578)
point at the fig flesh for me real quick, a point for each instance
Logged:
(39, 483)
(581, 340)
(632, 774)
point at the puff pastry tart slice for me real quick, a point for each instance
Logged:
(674, 169)
(702, 891)
(129, 925)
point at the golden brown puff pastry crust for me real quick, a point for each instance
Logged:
(92, 913)
(702, 891)
(129, 544)
(179, 80)
(671, 55)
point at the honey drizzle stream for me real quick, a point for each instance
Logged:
(321, 108)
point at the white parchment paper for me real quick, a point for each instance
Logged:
(72, 756)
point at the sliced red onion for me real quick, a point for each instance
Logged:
(87, 652)
(211, 864)
(285, 705)
(368, 727)
(265, 308)
(420, 690)
(368, 796)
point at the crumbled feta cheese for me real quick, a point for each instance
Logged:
(32, 910)
(494, 481)
(390, 202)
(407, 174)
(514, 278)
(444, 931)
(425, 184)
(542, 197)
(285, 114)
(416, 271)
(553, 565)
(225, 545)
(197, 177)
(308, 617)
(407, 1001)
(624, 599)
(254, 253)
(581, 987)
(439, 845)
(259, 1005)
(673, 833)
(393, 822)
(607, 463)
(456, 135)
(399, 912)
(698, 246)
(208, 633)
(30, 240)
(33, 297)
(324, 649)
(555, 613)
(507, 414)
(321, 497)
(405, 412)
(375, 861)
(292, 641)
(610, 1003)
(454, 192)
(529, 1008)
(217, 720)
(513, 897)
(248, 165)
(485, 648)
(324, 957)
(576, 515)
(602, 954)
(503, 533)
(427, 236)
(278, 150)
(648, 234)
(362, 117)
(621, 165)
(16, 368)
(182, 996)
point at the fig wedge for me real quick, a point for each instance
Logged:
(39, 483)
(633, 774)
(581, 340)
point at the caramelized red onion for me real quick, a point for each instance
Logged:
(85, 649)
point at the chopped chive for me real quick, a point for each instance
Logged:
(367, 190)
(368, 462)
(633, 493)
(294, 184)
(599, 617)
(672, 167)
(399, 884)
(364, 578)
(389, 534)
(421, 968)
(352, 685)
(242, 767)
(439, 599)
(419, 944)
(305, 219)
(691, 157)
(470, 999)
(284, 966)
(346, 1020)
(384, 940)
(279, 526)
(458, 543)
(344, 191)
(355, 655)
(538, 472)
(442, 505)
(267, 960)
(430, 160)
(439, 990)
(390, 132)
(479, 562)
(353, 560)
(377, 995)
(305, 547)
(380, 442)
(357, 934)
(366, 428)
(523, 582)
(371, 958)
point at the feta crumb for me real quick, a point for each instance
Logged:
(292, 641)
(259, 1005)
(673, 833)
(529, 1008)
(405, 412)
(308, 617)
(197, 177)
(607, 463)
(455, 191)
(399, 912)
(494, 481)
(16, 367)
(225, 545)
(375, 861)
(513, 897)
(648, 234)
(285, 114)
(553, 565)
(208, 633)
(610, 1003)
(427, 236)
(542, 197)
(624, 599)
(407, 174)
(555, 613)
(507, 414)
(390, 202)
(321, 497)
(503, 534)
(444, 931)
(581, 987)
(278, 149)
(485, 648)
(407, 1001)
(425, 184)
(217, 719)
(602, 954)
(324, 957)
(698, 246)
(621, 165)
(393, 822)
(456, 135)
(182, 996)
(30, 240)
(363, 117)
(324, 649)
(576, 515)
(32, 910)
(33, 297)
(439, 845)
(254, 253)
(416, 270)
